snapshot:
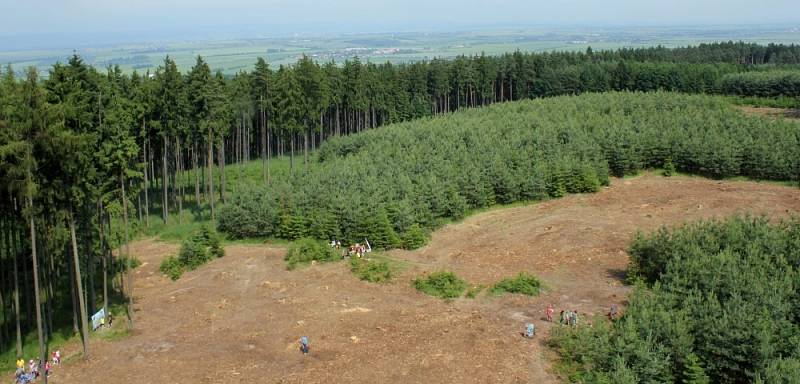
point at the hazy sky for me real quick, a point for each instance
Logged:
(208, 18)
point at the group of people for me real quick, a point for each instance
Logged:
(358, 250)
(32, 373)
(567, 317)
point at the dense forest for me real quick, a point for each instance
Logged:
(377, 185)
(762, 84)
(718, 303)
(85, 152)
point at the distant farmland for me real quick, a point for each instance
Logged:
(232, 56)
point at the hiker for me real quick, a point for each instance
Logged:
(21, 364)
(338, 244)
(34, 368)
(549, 312)
(563, 318)
(612, 313)
(304, 345)
(25, 378)
(333, 244)
(19, 372)
(574, 319)
(57, 353)
(47, 368)
(530, 330)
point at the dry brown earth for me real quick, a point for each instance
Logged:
(238, 318)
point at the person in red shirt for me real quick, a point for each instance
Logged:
(549, 312)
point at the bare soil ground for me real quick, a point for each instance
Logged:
(789, 113)
(238, 318)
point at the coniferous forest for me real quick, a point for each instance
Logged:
(88, 153)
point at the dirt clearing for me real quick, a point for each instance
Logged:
(238, 318)
(789, 113)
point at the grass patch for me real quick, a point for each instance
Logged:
(256, 241)
(395, 265)
(113, 334)
(306, 250)
(123, 262)
(374, 271)
(474, 290)
(443, 284)
(524, 283)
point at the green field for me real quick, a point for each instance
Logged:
(231, 56)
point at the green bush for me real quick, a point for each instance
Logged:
(523, 283)
(374, 271)
(414, 237)
(172, 267)
(669, 167)
(306, 250)
(444, 285)
(200, 248)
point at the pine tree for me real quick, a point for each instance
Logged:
(693, 372)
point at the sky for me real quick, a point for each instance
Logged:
(39, 21)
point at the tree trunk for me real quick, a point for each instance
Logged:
(26, 278)
(338, 131)
(103, 256)
(79, 284)
(3, 326)
(16, 303)
(269, 149)
(92, 296)
(50, 295)
(291, 158)
(221, 162)
(196, 175)
(146, 183)
(129, 269)
(75, 326)
(210, 159)
(42, 356)
(263, 134)
(178, 170)
(305, 150)
(164, 182)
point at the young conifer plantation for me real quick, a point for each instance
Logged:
(717, 302)
(378, 185)
(88, 155)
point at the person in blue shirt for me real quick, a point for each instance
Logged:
(304, 344)
(530, 330)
